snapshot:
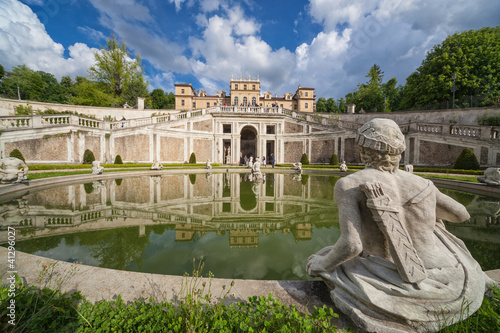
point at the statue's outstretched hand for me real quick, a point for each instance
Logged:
(314, 266)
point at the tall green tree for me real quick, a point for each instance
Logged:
(474, 56)
(320, 105)
(116, 69)
(369, 96)
(331, 105)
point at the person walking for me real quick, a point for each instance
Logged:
(271, 159)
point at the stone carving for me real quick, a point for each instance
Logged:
(256, 173)
(13, 211)
(297, 167)
(156, 166)
(207, 165)
(491, 177)
(409, 168)
(250, 162)
(343, 166)
(96, 168)
(395, 267)
(10, 172)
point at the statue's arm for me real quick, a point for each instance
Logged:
(449, 209)
(349, 244)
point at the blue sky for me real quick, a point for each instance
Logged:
(325, 44)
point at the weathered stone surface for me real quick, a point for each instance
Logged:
(434, 153)
(203, 149)
(93, 143)
(395, 267)
(351, 151)
(49, 148)
(205, 125)
(322, 151)
(293, 127)
(12, 170)
(293, 151)
(133, 147)
(172, 149)
(491, 177)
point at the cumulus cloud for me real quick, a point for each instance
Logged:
(24, 41)
(230, 45)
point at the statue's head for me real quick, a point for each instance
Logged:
(381, 143)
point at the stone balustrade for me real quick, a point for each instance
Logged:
(429, 128)
(17, 122)
(469, 131)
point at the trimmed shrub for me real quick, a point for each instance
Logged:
(466, 160)
(304, 160)
(334, 160)
(118, 159)
(88, 157)
(192, 159)
(17, 154)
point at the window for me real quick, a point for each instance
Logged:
(194, 105)
(307, 94)
(226, 128)
(182, 91)
(254, 101)
(307, 105)
(281, 105)
(244, 100)
(270, 129)
(182, 102)
(208, 104)
(253, 87)
(295, 107)
(235, 87)
(236, 100)
(245, 87)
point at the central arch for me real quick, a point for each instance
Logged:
(248, 143)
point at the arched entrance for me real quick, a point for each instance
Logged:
(248, 143)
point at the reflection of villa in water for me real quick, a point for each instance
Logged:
(192, 204)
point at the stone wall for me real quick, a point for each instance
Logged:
(322, 151)
(172, 149)
(134, 190)
(205, 125)
(293, 127)
(438, 154)
(351, 151)
(49, 148)
(202, 148)
(132, 148)
(293, 151)
(93, 143)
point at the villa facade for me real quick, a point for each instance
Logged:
(243, 92)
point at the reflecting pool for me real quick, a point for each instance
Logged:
(242, 229)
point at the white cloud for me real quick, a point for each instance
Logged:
(24, 41)
(230, 46)
(92, 33)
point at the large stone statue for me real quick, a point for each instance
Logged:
(10, 172)
(491, 177)
(395, 268)
(297, 167)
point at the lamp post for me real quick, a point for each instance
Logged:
(454, 76)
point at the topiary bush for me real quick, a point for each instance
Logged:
(17, 154)
(304, 160)
(88, 157)
(334, 160)
(466, 160)
(118, 159)
(192, 159)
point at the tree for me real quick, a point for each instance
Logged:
(92, 93)
(88, 157)
(304, 160)
(331, 105)
(117, 70)
(320, 105)
(369, 96)
(474, 56)
(466, 160)
(2, 72)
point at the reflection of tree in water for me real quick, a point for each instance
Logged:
(192, 178)
(116, 248)
(305, 179)
(248, 201)
(485, 253)
(39, 244)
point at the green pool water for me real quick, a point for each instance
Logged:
(242, 229)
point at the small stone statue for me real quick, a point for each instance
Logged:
(297, 167)
(207, 165)
(343, 166)
(96, 168)
(256, 173)
(409, 168)
(250, 162)
(156, 166)
(10, 172)
(491, 177)
(395, 267)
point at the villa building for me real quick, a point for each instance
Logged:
(243, 92)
